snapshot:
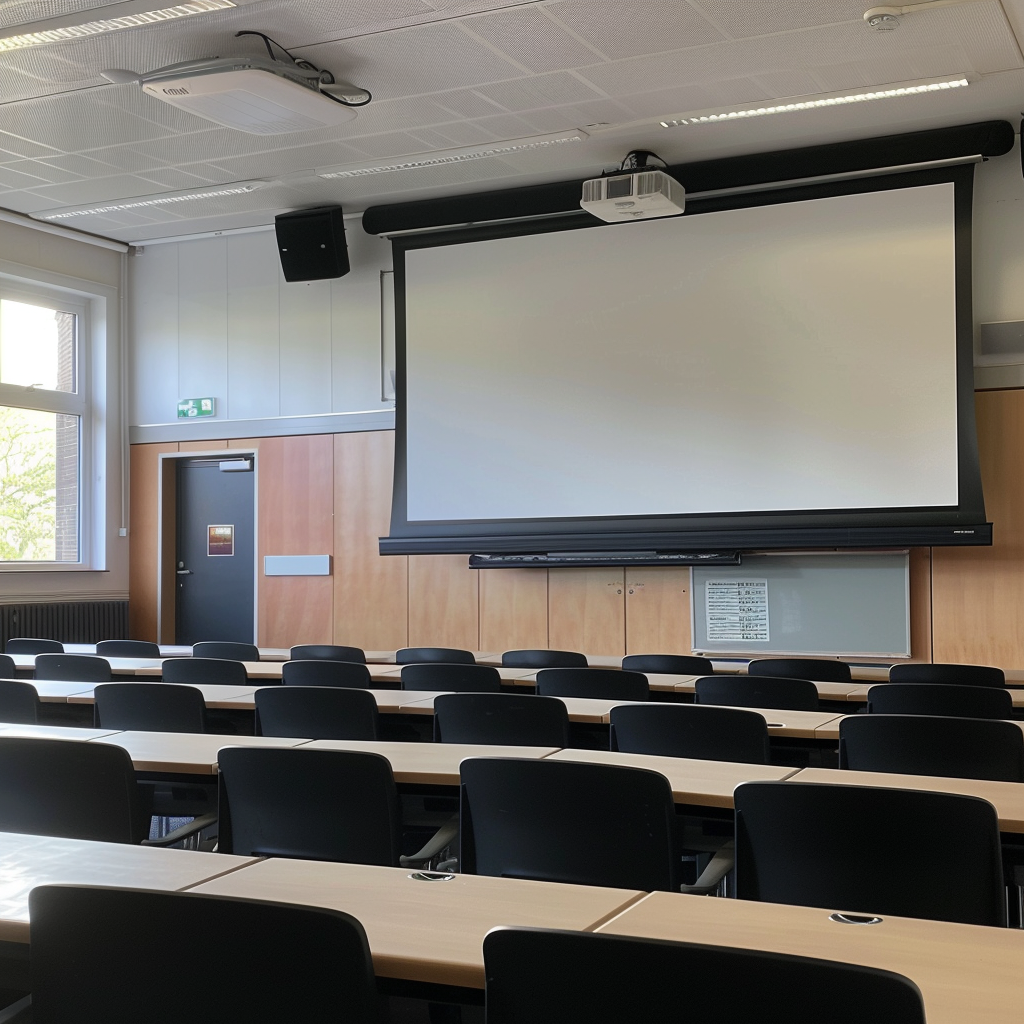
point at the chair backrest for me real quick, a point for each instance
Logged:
(8, 670)
(320, 672)
(127, 649)
(870, 850)
(19, 702)
(562, 821)
(84, 938)
(74, 668)
(327, 652)
(962, 748)
(757, 692)
(543, 659)
(204, 670)
(670, 664)
(940, 699)
(70, 788)
(959, 675)
(821, 670)
(517, 719)
(150, 707)
(316, 712)
(602, 683)
(456, 677)
(337, 805)
(228, 650)
(690, 730)
(535, 974)
(32, 645)
(450, 655)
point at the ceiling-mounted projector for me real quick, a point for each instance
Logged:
(634, 195)
(259, 95)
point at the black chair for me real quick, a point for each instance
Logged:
(543, 659)
(601, 683)
(456, 677)
(320, 672)
(867, 850)
(150, 707)
(821, 670)
(316, 712)
(945, 699)
(516, 719)
(757, 692)
(195, 671)
(32, 645)
(669, 664)
(960, 748)
(84, 938)
(8, 670)
(73, 668)
(228, 650)
(690, 730)
(959, 675)
(562, 821)
(450, 655)
(338, 805)
(19, 702)
(127, 649)
(327, 652)
(537, 974)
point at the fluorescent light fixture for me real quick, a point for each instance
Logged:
(123, 15)
(235, 188)
(883, 92)
(455, 156)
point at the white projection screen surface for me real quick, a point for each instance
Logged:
(799, 356)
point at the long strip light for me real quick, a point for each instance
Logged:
(456, 156)
(881, 93)
(60, 32)
(235, 188)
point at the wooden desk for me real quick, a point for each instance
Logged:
(388, 701)
(1006, 797)
(431, 764)
(56, 692)
(186, 753)
(658, 681)
(830, 730)
(118, 666)
(55, 732)
(216, 695)
(393, 674)
(859, 694)
(424, 931)
(27, 861)
(704, 783)
(967, 974)
(581, 709)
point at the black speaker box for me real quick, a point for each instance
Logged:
(312, 244)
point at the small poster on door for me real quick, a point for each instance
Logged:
(221, 540)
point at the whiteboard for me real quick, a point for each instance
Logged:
(845, 604)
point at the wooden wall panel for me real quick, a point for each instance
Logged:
(978, 593)
(295, 480)
(444, 601)
(658, 611)
(371, 592)
(513, 609)
(921, 604)
(205, 446)
(144, 539)
(587, 610)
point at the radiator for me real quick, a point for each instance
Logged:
(82, 622)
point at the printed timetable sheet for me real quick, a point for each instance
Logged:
(737, 609)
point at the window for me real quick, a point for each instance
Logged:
(43, 419)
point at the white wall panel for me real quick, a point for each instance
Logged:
(305, 347)
(254, 329)
(153, 329)
(202, 321)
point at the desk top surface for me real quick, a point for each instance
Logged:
(214, 694)
(966, 973)
(860, 694)
(706, 783)
(27, 861)
(1006, 797)
(425, 930)
(186, 753)
(55, 732)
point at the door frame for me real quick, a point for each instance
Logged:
(167, 534)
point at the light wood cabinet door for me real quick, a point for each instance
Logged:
(587, 610)
(444, 602)
(513, 609)
(657, 610)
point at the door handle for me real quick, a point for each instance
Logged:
(184, 572)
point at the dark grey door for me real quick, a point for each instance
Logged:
(215, 563)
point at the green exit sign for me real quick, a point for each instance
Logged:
(191, 407)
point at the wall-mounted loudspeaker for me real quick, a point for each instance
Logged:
(312, 244)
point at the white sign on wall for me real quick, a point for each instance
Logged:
(737, 609)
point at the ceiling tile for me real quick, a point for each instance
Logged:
(530, 38)
(539, 92)
(96, 190)
(741, 20)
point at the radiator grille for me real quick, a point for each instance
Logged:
(77, 622)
